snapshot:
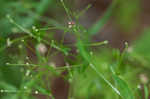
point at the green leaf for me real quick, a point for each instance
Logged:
(125, 91)
(100, 23)
(146, 92)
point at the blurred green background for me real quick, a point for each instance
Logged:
(74, 49)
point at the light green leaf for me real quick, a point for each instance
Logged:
(125, 91)
(100, 23)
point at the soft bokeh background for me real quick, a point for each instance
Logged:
(31, 66)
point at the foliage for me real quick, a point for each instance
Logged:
(28, 46)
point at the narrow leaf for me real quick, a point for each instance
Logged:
(125, 91)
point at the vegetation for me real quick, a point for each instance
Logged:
(33, 45)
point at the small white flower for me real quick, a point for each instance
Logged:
(2, 91)
(7, 63)
(27, 63)
(139, 86)
(27, 58)
(33, 27)
(41, 48)
(25, 87)
(27, 73)
(71, 24)
(22, 40)
(52, 64)
(9, 42)
(36, 92)
(144, 79)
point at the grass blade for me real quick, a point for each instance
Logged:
(146, 92)
(125, 91)
(100, 23)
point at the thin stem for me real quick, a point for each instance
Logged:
(66, 9)
(56, 68)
